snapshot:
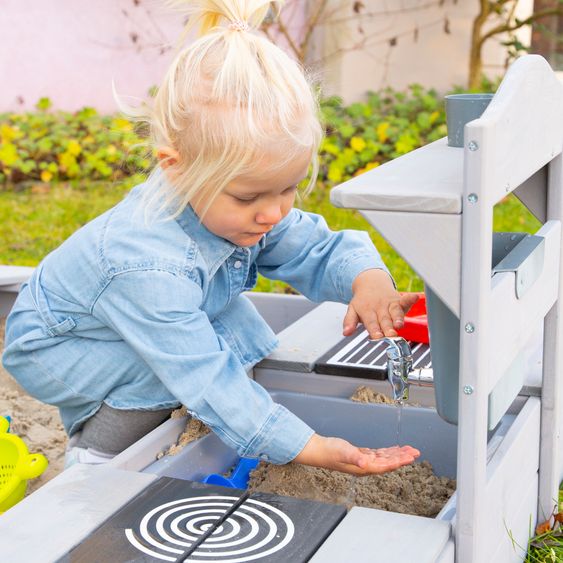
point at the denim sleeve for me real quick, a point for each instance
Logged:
(318, 262)
(158, 314)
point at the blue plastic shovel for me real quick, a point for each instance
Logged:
(239, 476)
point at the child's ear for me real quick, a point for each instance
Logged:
(167, 156)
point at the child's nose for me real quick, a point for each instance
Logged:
(270, 214)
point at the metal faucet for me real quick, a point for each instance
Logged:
(399, 369)
(399, 365)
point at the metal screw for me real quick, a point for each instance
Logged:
(469, 328)
(468, 389)
(472, 198)
(512, 237)
(472, 145)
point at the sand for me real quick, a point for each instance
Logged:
(365, 394)
(194, 430)
(37, 424)
(413, 489)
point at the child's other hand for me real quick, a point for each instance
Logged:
(340, 455)
(377, 305)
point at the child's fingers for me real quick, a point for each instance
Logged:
(407, 300)
(397, 314)
(386, 324)
(371, 323)
(350, 322)
(366, 461)
(392, 450)
(382, 460)
(383, 463)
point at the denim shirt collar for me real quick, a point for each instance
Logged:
(214, 249)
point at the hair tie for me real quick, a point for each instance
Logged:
(239, 25)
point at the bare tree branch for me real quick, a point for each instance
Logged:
(507, 28)
(312, 24)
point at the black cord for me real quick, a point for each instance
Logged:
(209, 532)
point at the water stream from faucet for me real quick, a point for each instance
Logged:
(399, 405)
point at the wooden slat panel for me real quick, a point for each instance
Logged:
(551, 458)
(475, 353)
(523, 122)
(513, 469)
(427, 180)
(518, 526)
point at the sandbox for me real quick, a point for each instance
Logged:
(412, 490)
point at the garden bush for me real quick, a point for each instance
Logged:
(366, 134)
(46, 146)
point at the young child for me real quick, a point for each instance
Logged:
(141, 310)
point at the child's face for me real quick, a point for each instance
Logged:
(252, 204)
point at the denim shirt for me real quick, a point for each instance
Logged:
(147, 315)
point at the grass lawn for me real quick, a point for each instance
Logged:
(36, 220)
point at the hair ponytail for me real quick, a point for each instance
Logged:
(208, 15)
(228, 98)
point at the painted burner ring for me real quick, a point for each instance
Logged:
(255, 530)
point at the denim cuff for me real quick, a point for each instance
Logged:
(355, 265)
(280, 439)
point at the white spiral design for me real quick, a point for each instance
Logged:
(255, 530)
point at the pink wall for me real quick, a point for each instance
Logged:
(70, 50)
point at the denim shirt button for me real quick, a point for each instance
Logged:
(237, 264)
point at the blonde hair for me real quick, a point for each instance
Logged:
(228, 99)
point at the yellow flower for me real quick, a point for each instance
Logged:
(122, 124)
(46, 176)
(9, 133)
(358, 144)
(68, 164)
(74, 148)
(382, 131)
(334, 173)
(8, 154)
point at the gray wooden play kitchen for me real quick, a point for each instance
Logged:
(489, 388)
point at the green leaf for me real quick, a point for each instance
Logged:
(423, 120)
(43, 104)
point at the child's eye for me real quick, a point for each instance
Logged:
(245, 199)
(290, 190)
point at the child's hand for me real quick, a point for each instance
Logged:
(340, 455)
(377, 304)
